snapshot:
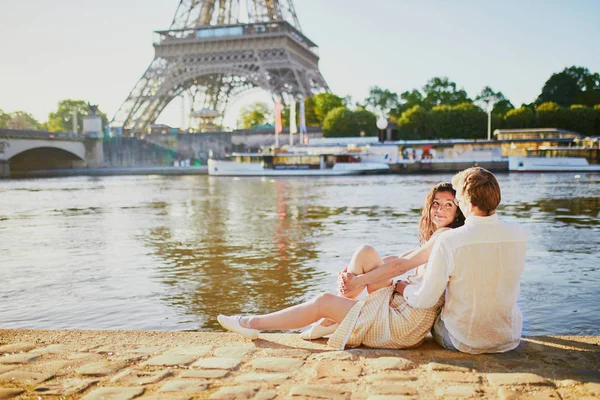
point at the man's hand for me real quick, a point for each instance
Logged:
(400, 286)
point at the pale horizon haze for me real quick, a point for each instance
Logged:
(97, 50)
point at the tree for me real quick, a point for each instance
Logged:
(382, 100)
(253, 115)
(571, 86)
(413, 123)
(62, 119)
(22, 120)
(464, 120)
(324, 103)
(522, 117)
(4, 118)
(344, 122)
(408, 100)
(501, 103)
(442, 91)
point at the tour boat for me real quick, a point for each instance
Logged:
(294, 164)
(557, 159)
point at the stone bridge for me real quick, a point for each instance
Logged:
(39, 150)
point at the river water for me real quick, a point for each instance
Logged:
(170, 253)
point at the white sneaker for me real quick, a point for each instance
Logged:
(233, 324)
(317, 331)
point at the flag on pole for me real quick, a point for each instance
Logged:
(293, 125)
(278, 123)
(302, 122)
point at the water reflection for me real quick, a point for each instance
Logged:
(245, 253)
(580, 212)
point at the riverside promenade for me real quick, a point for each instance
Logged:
(73, 364)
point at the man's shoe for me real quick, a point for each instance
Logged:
(317, 331)
(233, 324)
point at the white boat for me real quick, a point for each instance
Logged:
(294, 164)
(557, 159)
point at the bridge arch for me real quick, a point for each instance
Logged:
(44, 158)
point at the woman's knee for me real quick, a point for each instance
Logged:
(323, 300)
(366, 250)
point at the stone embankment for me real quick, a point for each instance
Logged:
(200, 365)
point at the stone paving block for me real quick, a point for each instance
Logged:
(197, 351)
(234, 393)
(24, 358)
(6, 393)
(452, 376)
(506, 393)
(275, 364)
(167, 396)
(56, 367)
(434, 366)
(334, 356)
(17, 348)
(462, 391)
(137, 377)
(265, 394)
(391, 363)
(101, 368)
(188, 386)
(284, 353)
(217, 363)
(233, 352)
(390, 397)
(390, 377)
(333, 392)
(393, 388)
(145, 350)
(337, 370)
(524, 378)
(51, 349)
(65, 387)
(6, 368)
(171, 360)
(253, 377)
(25, 377)
(591, 388)
(114, 393)
(205, 373)
(109, 349)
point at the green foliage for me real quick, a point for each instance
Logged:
(62, 119)
(253, 115)
(4, 118)
(570, 86)
(464, 120)
(382, 100)
(19, 120)
(501, 104)
(344, 122)
(309, 112)
(324, 103)
(522, 117)
(414, 123)
(441, 91)
(408, 100)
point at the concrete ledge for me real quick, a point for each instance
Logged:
(201, 365)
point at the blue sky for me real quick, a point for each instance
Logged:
(97, 50)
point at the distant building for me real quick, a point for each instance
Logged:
(535, 133)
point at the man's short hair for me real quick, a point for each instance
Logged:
(479, 187)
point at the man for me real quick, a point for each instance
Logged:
(479, 267)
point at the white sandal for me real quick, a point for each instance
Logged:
(233, 324)
(317, 331)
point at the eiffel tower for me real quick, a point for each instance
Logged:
(212, 56)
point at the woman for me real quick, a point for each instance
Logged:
(383, 319)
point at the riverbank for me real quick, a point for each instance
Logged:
(168, 170)
(201, 365)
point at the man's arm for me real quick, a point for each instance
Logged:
(437, 273)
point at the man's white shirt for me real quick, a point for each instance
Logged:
(479, 267)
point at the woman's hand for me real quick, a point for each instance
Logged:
(340, 280)
(349, 282)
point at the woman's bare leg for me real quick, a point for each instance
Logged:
(326, 305)
(365, 259)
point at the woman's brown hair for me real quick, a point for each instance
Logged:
(426, 226)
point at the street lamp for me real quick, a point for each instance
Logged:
(490, 107)
(382, 124)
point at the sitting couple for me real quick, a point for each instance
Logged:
(469, 264)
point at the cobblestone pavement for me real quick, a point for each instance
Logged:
(97, 365)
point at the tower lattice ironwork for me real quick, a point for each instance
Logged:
(217, 49)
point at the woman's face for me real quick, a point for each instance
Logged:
(443, 210)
